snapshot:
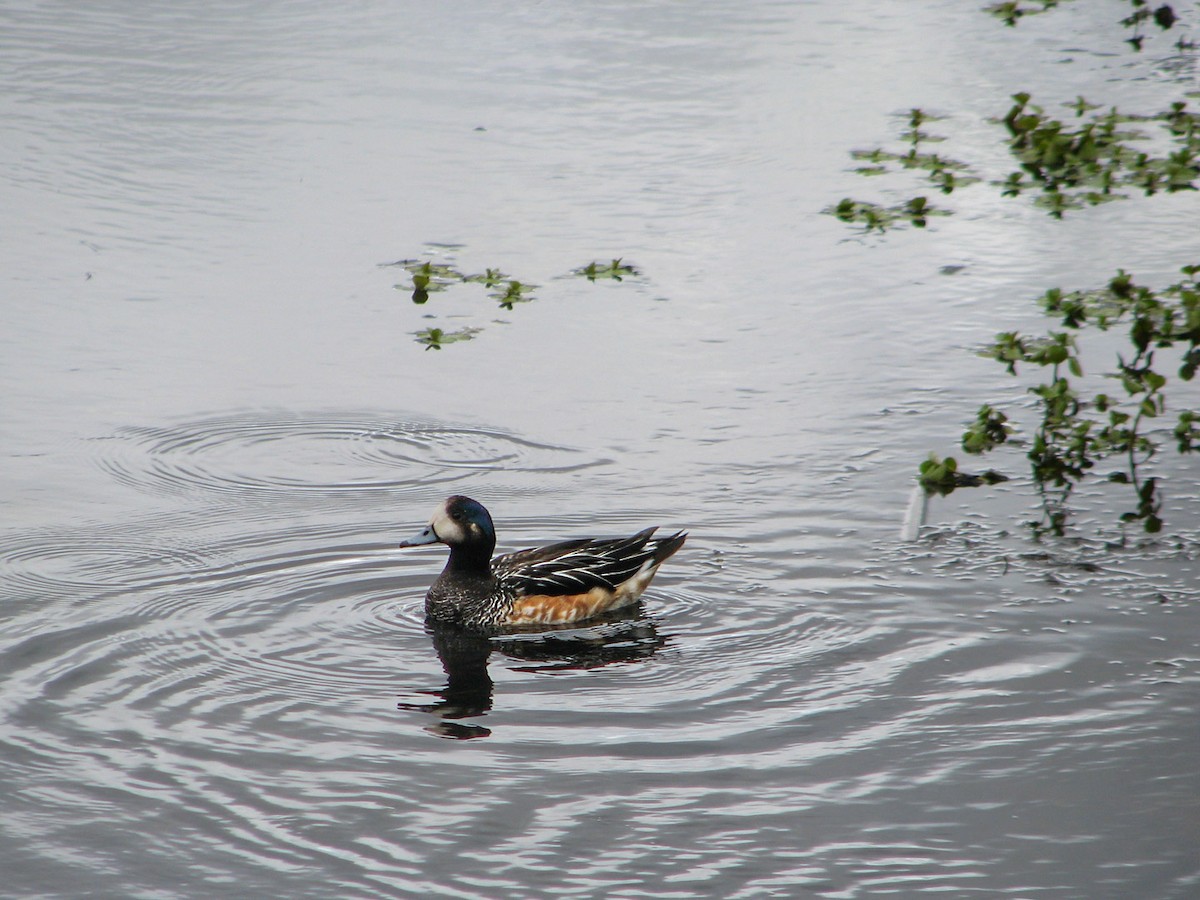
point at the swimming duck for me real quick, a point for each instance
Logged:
(563, 583)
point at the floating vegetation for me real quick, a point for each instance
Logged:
(615, 270)
(941, 476)
(489, 278)
(1012, 12)
(1087, 165)
(943, 173)
(427, 277)
(1097, 158)
(1164, 16)
(435, 338)
(1077, 431)
(512, 292)
(430, 276)
(873, 217)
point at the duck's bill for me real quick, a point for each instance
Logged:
(426, 536)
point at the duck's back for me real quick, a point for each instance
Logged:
(575, 580)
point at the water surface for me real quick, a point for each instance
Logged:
(217, 425)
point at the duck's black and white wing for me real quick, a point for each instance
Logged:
(574, 567)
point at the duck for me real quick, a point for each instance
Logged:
(559, 584)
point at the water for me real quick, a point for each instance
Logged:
(217, 425)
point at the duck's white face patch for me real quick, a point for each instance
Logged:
(447, 530)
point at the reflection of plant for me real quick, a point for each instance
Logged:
(1012, 11)
(1077, 432)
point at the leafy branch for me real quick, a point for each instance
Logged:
(1076, 432)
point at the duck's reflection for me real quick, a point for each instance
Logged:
(623, 636)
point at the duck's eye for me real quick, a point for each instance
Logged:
(457, 515)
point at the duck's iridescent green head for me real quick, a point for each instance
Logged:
(459, 521)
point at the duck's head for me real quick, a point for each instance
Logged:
(459, 522)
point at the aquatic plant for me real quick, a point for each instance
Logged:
(941, 476)
(489, 278)
(615, 270)
(873, 217)
(1012, 11)
(436, 338)
(1063, 165)
(1087, 165)
(1076, 432)
(512, 292)
(428, 276)
(938, 475)
(943, 173)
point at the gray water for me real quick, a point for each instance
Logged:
(216, 424)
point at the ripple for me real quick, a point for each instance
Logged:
(252, 454)
(291, 666)
(62, 564)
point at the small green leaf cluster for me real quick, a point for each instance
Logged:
(1187, 431)
(873, 217)
(1149, 505)
(512, 292)
(489, 278)
(938, 475)
(989, 430)
(428, 277)
(615, 270)
(1075, 432)
(1011, 12)
(942, 476)
(436, 338)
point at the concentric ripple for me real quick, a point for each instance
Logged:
(64, 563)
(250, 454)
